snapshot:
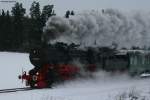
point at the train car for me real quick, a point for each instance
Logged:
(139, 61)
(135, 62)
(117, 62)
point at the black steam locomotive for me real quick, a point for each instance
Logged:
(53, 63)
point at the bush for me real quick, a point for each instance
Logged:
(132, 95)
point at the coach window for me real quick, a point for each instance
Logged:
(143, 60)
(132, 60)
(148, 59)
(135, 60)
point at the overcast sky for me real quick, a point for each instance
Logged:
(80, 5)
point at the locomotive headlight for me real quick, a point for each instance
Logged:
(34, 51)
(37, 73)
(34, 78)
(35, 85)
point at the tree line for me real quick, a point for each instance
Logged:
(19, 31)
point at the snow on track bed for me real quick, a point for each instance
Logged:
(81, 92)
(103, 87)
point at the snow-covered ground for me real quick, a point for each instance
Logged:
(104, 86)
(11, 65)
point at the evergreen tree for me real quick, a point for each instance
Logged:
(35, 10)
(3, 13)
(46, 13)
(2, 29)
(18, 13)
(67, 14)
(27, 31)
(72, 13)
(36, 24)
(8, 32)
(5, 31)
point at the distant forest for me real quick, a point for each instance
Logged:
(19, 31)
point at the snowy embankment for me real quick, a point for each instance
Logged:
(11, 65)
(104, 86)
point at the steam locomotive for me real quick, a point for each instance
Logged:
(60, 62)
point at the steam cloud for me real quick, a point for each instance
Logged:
(100, 29)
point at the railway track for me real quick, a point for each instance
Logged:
(15, 90)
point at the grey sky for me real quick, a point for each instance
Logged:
(80, 5)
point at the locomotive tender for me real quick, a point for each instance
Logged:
(55, 63)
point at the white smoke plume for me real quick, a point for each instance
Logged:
(102, 28)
